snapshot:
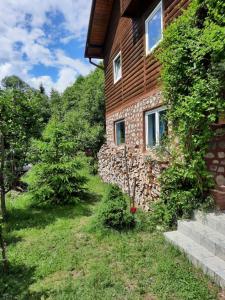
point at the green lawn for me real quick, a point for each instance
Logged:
(54, 255)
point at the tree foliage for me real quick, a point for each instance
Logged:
(84, 102)
(113, 212)
(76, 125)
(23, 112)
(55, 176)
(193, 72)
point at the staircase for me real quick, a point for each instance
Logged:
(203, 240)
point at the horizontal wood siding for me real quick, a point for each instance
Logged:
(140, 74)
(124, 5)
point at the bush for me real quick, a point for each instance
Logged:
(181, 193)
(114, 211)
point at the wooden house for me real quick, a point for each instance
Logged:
(125, 33)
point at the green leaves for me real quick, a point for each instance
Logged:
(193, 72)
(22, 115)
(113, 212)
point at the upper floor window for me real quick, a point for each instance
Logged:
(117, 67)
(155, 126)
(154, 28)
(120, 132)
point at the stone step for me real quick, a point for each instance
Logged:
(215, 220)
(199, 256)
(204, 236)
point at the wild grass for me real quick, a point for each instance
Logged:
(56, 253)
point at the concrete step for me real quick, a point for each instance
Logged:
(215, 220)
(199, 256)
(204, 236)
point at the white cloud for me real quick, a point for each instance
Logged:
(66, 78)
(25, 43)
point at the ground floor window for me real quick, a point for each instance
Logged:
(155, 126)
(120, 132)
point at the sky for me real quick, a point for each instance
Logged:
(42, 41)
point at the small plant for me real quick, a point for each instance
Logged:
(114, 211)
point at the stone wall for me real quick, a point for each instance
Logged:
(215, 159)
(144, 165)
(141, 165)
(134, 120)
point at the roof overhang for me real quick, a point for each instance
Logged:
(133, 8)
(98, 25)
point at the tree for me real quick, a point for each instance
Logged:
(84, 103)
(55, 176)
(21, 118)
(15, 83)
(42, 89)
(56, 104)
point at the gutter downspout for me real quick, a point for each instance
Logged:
(94, 64)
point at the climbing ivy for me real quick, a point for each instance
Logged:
(192, 55)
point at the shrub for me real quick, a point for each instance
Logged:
(114, 211)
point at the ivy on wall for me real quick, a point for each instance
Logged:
(192, 54)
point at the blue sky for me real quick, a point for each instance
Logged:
(42, 41)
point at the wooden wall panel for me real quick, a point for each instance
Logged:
(140, 73)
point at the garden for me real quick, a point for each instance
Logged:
(64, 234)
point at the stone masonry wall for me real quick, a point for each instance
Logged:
(215, 159)
(142, 165)
(134, 120)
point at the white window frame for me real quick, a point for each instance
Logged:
(115, 123)
(114, 68)
(148, 51)
(156, 112)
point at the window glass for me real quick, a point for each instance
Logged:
(156, 126)
(117, 68)
(151, 130)
(154, 28)
(120, 132)
(163, 128)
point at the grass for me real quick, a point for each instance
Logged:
(55, 253)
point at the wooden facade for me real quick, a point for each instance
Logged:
(126, 33)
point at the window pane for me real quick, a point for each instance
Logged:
(151, 130)
(155, 28)
(163, 127)
(117, 66)
(120, 133)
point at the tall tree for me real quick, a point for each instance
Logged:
(84, 103)
(21, 119)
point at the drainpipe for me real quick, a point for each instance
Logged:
(96, 65)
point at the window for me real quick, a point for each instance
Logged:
(154, 28)
(155, 126)
(120, 132)
(117, 67)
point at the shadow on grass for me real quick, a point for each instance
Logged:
(15, 284)
(41, 216)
